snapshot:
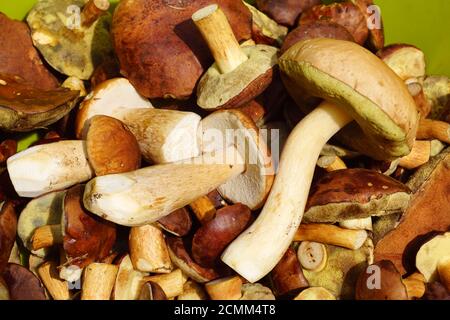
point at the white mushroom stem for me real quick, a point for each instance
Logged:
(280, 218)
(217, 32)
(146, 195)
(93, 10)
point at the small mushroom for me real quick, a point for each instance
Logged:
(355, 194)
(163, 135)
(344, 13)
(380, 281)
(25, 108)
(182, 259)
(287, 276)
(315, 293)
(239, 73)
(19, 57)
(22, 283)
(427, 212)
(178, 223)
(8, 227)
(213, 236)
(152, 291)
(431, 254)
(73, 45)
(406, 60)
(203, 209)
(128, 281)
(39, 212)
(239, 168)
(167, 61)
(98, 281)
(111, 147)
(317, 65)
(171, 283)
(49, 167)
(312, 255)
(285, 12)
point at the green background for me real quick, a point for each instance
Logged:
(424, 23)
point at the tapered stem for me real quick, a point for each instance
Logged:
(258, 249)
(217, 32)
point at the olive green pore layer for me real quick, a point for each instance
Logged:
(386, 140)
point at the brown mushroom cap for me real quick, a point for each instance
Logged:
(355, 194)
(19, 57)
(285, 12)
(167, 60)
(213, 236)
(406, 60)
(178, 222)
(8, 226)
(25, 108)
(111, 147)
(390, 280)
(22, 283)
(316, 29)
(346, 14)
(181, 258)
(376, 33)
(87, 238)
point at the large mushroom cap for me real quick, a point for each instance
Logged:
(25, 108)
(352, 77)
(73, 50)
(355, 194)
(251, 187)
(159, 48)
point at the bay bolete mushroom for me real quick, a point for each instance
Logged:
(167, 61)
(22, 283)
(285, 12)
(374, 22)
(72, 40)
(355, 194)
(239, 73)
(19, 57)
(238, 165)
(24, 107)
(364, 89)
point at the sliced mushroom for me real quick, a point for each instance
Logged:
(238, 165)
(315, 293)
(256, 291)
(312, 255)
(431, 254)
(57, 288)
(19, 57)
(171, 283)
(39, 212)
(152, 291)
(49, 167)
(72, 46)
(25, 108)
(192, 291)
(128, 281)
(427, 212)
(143, 49)
(287, 276)
(98, 281)
(406, 60)
(355, 194)
(380, 281)
(111, 147)
(344, 13)
(285, 12)
(212, 237)
(22, 283)
(8, 227)
(317, 66)
(239, 74)
(228, 288)
(182, 259)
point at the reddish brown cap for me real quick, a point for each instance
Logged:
(22, 283)
(285, 12)
(8, 227)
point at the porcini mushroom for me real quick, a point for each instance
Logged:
(167, 61)
(98, 281)
(25, 108)
(285, 12)
(431, 254)
(256, 291)
(8, 226)
(363, 89)
(238, 165)
(178, 222)
(239, 73)
(407, 61)
(128, 281)
(22, 283)
(354, 194)
(73, 45)
(171, 283)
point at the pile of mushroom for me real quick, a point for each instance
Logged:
(183, 150)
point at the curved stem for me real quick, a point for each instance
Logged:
(258, 249)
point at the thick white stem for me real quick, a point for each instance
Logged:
(258, 249)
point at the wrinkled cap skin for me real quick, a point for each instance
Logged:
(355, 194)
(353, 78)
(87, 238)
(159, 48)
(19, 57)
(25, 108)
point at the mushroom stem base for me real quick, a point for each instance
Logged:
(258, 249)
